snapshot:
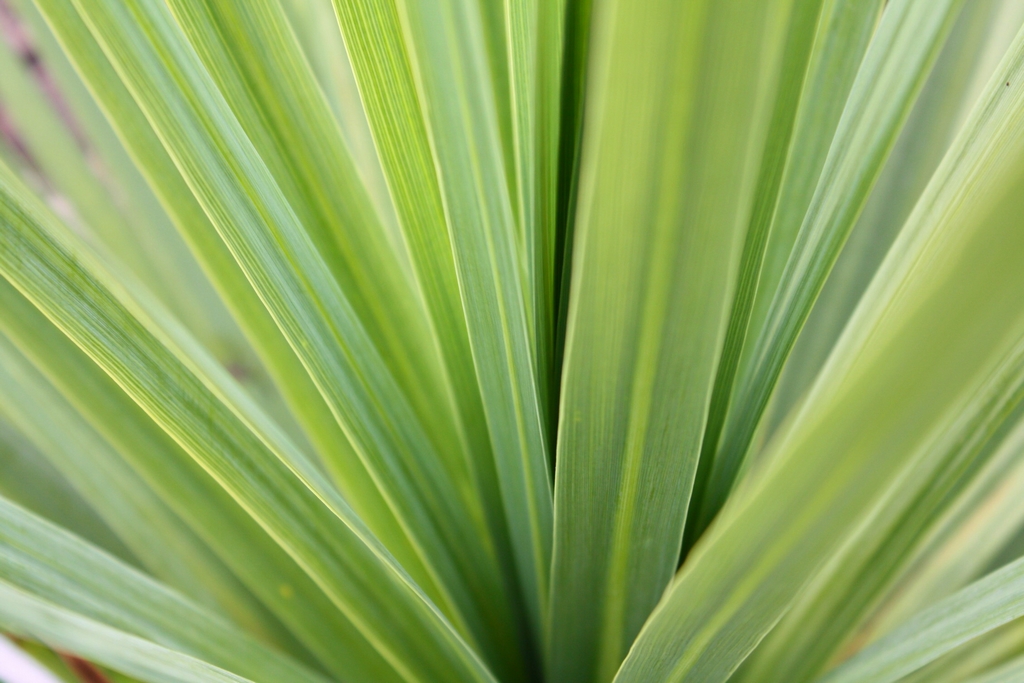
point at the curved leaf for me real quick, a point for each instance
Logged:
(984, 605)
(50, 564)
(928, 322)
(328, 541)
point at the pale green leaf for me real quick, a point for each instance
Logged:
(317, 31)
(425, 72)
(661, 217)
(252, 214)
(383, 72)
(842, 37)
(52, 565)
(974, 531)
(86, 176)
(164, 545)
(27, 479)
(461, 238)
(945, 101)
(1010, 672)
(830, 466)
(242, 450)
(30, 617)
(276, 100)
(284, 366)
(536, 46)
(894, 68)
(182, 484)
(824, 617)
(985, 604)
(446, 40)
(972, 657)
(801, 37)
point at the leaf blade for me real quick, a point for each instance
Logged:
(318, 529)
(44, 561)
(900, 56)
(836, 456)
(984, 605)
(661, 215)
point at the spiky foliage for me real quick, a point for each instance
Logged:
(469, 341)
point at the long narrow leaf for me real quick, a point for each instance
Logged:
(155, 535)
(255, 219)
(570, 146)
(464, 125)
(30, 617)
(945, 101)
(800, 41)
(927, 322)
(1005, 673)
(82, 163)
(536, 42)
(661, 218)
(984, 605)
(972, 537)
(894, 69)
(858, 574)
(328, 541)
(29, 480)
(288, 372)
(420, 67)
(182, 484)
(47, 562)
(382, 69)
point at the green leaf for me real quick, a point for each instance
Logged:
(538, 348)
(317, 31)
(155, 535)
(29, 480)
(383, 72)
(843, 594)
(1009, 672)
(891, 75)
(974, 532)
(972, 657)
(661, 217)
(30, 617)
(944, 102)
(299, 390)
(198, 500)
(570, 147)
(276, 100)
(85, 174)
(800, 39)
(827, 470)
(985, 604)
(184, 392)
(426, 76)
(536, 45)
(50, 564)
(296, 282)
(842, 36)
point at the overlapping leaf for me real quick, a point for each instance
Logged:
(662, 214)
(984, 605)
(53, 566)
(405, 633)
(412, 220)
(895, 66)
(885, 389)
